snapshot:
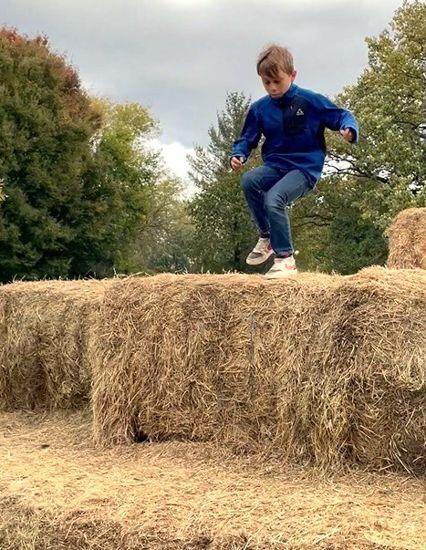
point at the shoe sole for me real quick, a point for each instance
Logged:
(282, 275)
(260, 260)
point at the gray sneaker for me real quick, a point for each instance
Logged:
(261, 252)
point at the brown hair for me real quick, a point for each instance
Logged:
(274, 58)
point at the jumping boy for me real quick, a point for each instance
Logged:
(292, 121)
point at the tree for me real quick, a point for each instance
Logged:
(46, 121)
(389, 100)
(223, 230)
(117, 186)
(148, 228)
(367, 185)
(164, 240)
(331, 233)
(78, 174)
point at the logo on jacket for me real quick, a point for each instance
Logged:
(299, 112)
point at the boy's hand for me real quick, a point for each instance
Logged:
(347, 134)
(236, 163)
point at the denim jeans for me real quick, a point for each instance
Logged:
(269, 191)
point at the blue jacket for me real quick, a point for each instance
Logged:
(293, 126)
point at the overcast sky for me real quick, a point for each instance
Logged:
(181, 57)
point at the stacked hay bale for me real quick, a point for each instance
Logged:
(45, 336)
(368, 401)
(407, 239)
(318, 369)
(322, 369)
(197, 356)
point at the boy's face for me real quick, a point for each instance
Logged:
(278, 85)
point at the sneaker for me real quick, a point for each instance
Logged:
(261, 252)
(283, 267)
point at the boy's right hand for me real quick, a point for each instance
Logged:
(237, 163)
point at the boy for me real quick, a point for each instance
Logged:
(292, 121)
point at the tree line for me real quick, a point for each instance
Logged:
(82, 194)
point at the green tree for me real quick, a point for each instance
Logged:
(390, 102)
(147, 228)
(78, 174)
(46, 121)
(163, 244)
(117, 186)
(367, 185)
(331, 232)
(223, 230)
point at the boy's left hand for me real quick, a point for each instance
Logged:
(347, 134)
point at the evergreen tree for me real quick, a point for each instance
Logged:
(46, 121)
(223, 230)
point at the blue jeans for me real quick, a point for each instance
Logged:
(269, 191)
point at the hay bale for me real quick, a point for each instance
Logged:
(44, 342)
(407, 240)
(196, 356)
(368, 405)
(311, 369)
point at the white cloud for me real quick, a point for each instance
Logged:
(175, 159)
(175, 156)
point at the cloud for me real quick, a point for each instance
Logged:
(174, 155)
(175, 159)
(180, 57)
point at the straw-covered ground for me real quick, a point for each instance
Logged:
(58, 491)
(259, 407)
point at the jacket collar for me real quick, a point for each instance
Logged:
(287, 97)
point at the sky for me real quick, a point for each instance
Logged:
(179, 58)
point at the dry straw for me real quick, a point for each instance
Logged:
(322, 369)
(180, 495)
(370, 391)
(407, 239)
(45, 330)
